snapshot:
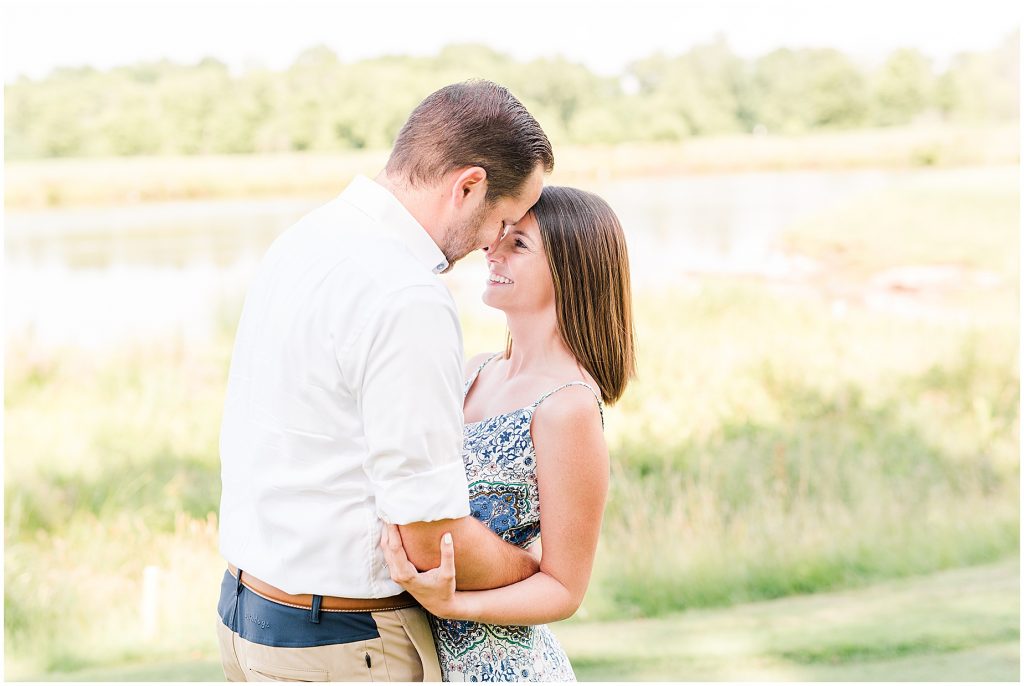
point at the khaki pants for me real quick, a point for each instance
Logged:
(403, 652)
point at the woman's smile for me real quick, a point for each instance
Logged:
(495, 279)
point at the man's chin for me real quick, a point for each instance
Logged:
(452, 260)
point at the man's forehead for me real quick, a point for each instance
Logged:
(519, 206)
(517, 215)
(534, 187)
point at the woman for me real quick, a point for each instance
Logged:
(534, 449)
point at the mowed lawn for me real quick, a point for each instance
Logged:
(956, 625)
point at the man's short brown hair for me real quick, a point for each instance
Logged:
(471, 124)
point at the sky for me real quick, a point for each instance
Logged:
(39, 35)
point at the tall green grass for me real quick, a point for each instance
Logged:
(773, 446)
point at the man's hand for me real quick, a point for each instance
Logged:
(435, 588)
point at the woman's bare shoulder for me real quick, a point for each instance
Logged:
(470, 367)
(571, 405)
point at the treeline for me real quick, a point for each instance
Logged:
(321, 103)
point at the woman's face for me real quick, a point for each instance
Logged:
(519, 280)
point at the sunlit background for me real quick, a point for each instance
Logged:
(816, 474)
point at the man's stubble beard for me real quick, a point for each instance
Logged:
(461, 240)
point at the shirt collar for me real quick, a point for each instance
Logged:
(380, 204)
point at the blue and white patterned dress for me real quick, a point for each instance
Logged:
(500, 467)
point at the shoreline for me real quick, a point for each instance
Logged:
(103, 182)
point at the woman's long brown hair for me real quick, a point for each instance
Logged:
(586, 252)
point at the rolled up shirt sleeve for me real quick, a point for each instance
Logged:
(410, 395)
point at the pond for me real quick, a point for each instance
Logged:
(98, 276)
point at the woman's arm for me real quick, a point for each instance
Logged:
(485, 560)
(572, 475)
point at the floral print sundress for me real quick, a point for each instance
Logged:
(500, 467)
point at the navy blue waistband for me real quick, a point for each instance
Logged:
(263, 621)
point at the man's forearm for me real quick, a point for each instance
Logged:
(482, 559)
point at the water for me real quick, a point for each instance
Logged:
(723, 223)
(95, 277)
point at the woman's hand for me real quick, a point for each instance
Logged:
(435, 588)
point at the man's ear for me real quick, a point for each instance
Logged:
(469, 182)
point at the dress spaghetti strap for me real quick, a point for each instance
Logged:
(472, 379)
(597, 396)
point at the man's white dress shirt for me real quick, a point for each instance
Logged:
(344, 399)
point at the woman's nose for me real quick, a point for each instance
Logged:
(489, 247)
(493, 249)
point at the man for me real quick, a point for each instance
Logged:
(344, 403)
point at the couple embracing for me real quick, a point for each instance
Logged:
(383, 504)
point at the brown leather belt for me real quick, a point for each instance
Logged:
(330, 603)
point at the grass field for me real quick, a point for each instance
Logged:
(959, 625)
(779, 457)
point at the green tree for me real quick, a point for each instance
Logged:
(795, 90)
(983, 86)
(703, 87)
(322, 103)
(903, 88)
